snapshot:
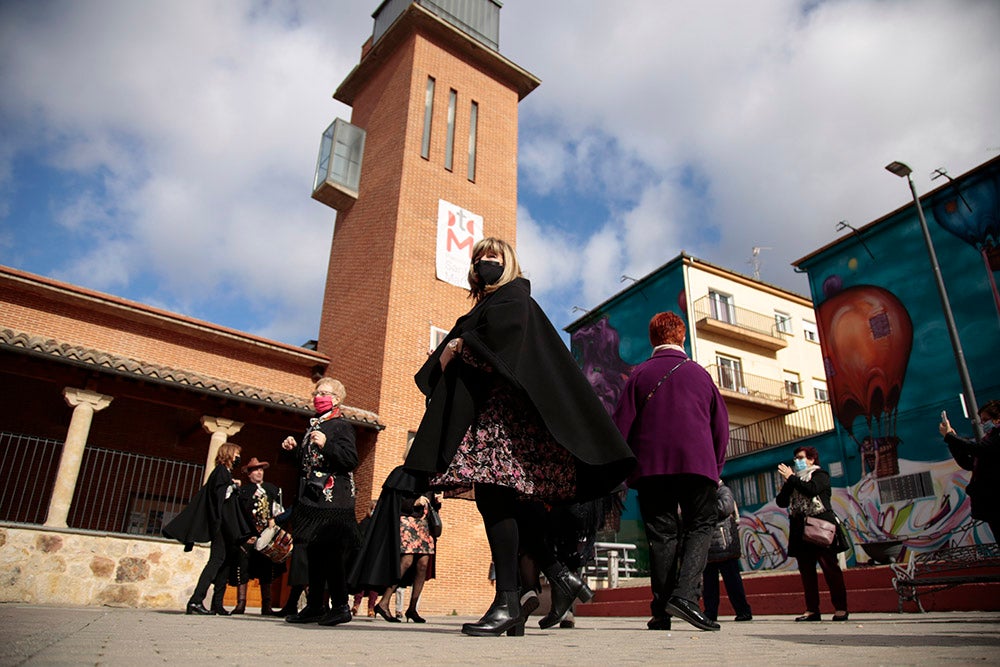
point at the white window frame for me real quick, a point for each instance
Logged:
(810, 331)
(730, 368)
(437, 336)
(793, 383)
(783, 322)
(820, 391)
(723, 306)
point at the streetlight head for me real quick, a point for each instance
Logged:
(899, 169)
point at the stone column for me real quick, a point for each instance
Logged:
(84, 403)
(221, 429)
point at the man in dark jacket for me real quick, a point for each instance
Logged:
(983, 460)
(676, 423)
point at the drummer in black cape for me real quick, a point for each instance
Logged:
(323, 522)
(511, 417)
(259, 500)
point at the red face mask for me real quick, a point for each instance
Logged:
(323, 403)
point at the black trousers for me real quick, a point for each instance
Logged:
(807, 556)
(215, 573)
(679, 512)
(730, 571)
(326, 574)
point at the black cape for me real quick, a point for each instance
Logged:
(511, 332)
(208, 512)
(376, 566)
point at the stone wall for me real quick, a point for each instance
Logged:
(72, 567)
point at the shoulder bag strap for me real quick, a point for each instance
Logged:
(662, 380)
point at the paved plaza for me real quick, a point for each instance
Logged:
(41, 635)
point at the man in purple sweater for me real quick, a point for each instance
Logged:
(676, 422)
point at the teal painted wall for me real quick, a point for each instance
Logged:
(891, 386)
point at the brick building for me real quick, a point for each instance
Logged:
(435, 105)
(433, 133)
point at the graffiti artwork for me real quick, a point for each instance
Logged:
(867, 337)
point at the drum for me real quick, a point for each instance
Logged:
(275, 543)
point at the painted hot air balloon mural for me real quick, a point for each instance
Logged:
(971, 211)
(867, 337)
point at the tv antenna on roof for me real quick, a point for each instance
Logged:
(755, 259)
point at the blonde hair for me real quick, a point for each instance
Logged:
(336, 387)
(511, 269)
(228, 451)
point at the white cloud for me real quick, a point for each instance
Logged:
(187, 132)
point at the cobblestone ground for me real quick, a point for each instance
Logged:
(39, 635)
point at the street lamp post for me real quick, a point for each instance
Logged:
(903, 171)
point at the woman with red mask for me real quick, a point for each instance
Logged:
(323, 522)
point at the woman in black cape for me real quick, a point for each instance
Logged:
(384, 563)
(511, 418)
(213, 515)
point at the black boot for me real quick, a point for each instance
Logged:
(504, 615)
(241, 600)
(265, 603)
(565, 587)
(292, 606)
(218, 593)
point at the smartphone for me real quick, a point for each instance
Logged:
(944, 416)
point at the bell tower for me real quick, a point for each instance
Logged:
(427, 164)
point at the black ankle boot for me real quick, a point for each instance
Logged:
(565, 587)
(504, 615)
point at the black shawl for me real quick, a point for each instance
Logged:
(376, 566)
(511, 332)
(208, 512)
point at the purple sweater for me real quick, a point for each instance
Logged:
(683, 429)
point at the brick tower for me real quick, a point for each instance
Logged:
(433, 129)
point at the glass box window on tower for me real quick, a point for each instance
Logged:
(338, 167)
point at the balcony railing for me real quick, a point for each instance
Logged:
(777, 431)
(732, 321)
(753, 388)
(117, 492)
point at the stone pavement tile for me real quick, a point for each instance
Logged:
(38, 635)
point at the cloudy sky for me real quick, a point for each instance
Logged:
(163, 151)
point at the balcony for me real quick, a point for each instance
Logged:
(751, 390)
(777, 431)
(739, 324)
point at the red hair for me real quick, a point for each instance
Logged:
(667, 328)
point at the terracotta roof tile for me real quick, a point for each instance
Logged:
(39, 345)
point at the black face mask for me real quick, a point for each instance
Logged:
(236, 461)
(488, 270)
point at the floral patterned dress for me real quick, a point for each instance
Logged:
(414, 535)
(508, 445)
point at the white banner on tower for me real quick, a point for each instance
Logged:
(457, 231)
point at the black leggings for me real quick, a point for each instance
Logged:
(511, 522)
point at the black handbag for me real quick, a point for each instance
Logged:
(434, 524)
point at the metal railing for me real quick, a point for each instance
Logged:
(612, 561)
(116, 492)
(780, 430)
(736, 316)
(28, 467)
(749, 385)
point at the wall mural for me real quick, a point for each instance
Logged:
(867, 336)
(891, 370)
(890, 366)
(878, 530)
